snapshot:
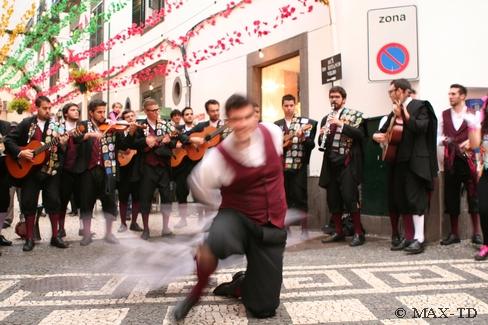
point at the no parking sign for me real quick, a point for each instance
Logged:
(392, 43)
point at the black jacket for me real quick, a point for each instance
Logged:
(418, 146)
(356, 152)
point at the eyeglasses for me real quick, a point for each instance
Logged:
(152, 110)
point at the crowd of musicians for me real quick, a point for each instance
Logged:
(125, 160)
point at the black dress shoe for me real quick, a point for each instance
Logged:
(396, 240)
(328, 229)
(401, 245)
(183, 307)
(135, 227)
(476, 239)
(145, 235)
(4, 241)
(228, 289)
(58, 242)
(334, 238)
(451, 239)
(86, 241)
(415, 247)
(61, 233)
(357, 240)
(28, 246)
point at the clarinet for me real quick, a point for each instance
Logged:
(326, 127)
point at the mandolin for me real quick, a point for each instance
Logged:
(19, 168)
(124, 157)
(288, 137)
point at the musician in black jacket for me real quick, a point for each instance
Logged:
(415, 165)
(45, 177)
(69, 177)
(97, 164)
(4, 183)
(296, 157)
(341, 174)
(128, 182)
(180, 173)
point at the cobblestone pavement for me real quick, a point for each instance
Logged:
(322, 284)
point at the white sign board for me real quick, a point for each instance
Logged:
(392, 43)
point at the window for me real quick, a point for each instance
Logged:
(96, 38)
(143, 9)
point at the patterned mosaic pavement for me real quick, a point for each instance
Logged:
(322, 284)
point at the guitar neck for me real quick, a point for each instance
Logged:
(215, 133)
(46, 146)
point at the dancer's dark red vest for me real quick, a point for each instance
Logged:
(257, 192)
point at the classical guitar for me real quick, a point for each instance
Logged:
(212, 137)
(125, 156)
(177, 156)
(19, 168)
(288, 137)
(394, 137)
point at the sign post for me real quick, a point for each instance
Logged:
(392, 43)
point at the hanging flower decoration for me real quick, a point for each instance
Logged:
(7, 12)
(19, 105)
(20, 28)
(86, 81)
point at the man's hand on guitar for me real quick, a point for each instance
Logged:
(380, 137)
(166, 139)
(26, 154)
(151, 141)
(63, 139)
(197, 140)
(397, 109)
(179, 145)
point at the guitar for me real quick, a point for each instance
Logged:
(212, 137)
(394, 136)
(177, 156)
(288, 138)
(125, 156)
(19, 168)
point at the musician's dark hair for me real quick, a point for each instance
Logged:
(92, 105)
(339, 90)
(402, 84)
(41, 99)
(186, 109)
(148, 102)
(288, 97)
(175, 112)
(236, 101)
(66, 108)
(462, 90)
(127, 111)
(210, 102)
